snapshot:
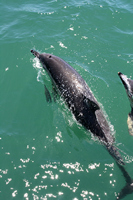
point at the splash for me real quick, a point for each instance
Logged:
(40, 70)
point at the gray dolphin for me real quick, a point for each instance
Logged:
(128, 84)
(79, 99)
(84, 106)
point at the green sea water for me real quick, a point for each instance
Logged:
(44, 153)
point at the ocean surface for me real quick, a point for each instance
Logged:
(44, 153)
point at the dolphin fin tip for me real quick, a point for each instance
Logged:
(126, 190)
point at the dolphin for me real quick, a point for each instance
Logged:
(82, 103)
(128, 84)
(80, 100)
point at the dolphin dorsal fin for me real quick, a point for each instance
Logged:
(91, 104)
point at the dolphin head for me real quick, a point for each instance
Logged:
(128, 84)
(44, 58)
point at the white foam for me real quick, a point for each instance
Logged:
(40, 70)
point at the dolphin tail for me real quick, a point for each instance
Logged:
(128, 188)
(115, 153)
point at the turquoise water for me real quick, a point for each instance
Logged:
(45, 154)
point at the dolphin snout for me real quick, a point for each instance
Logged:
(35, 53)
(119, 74)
